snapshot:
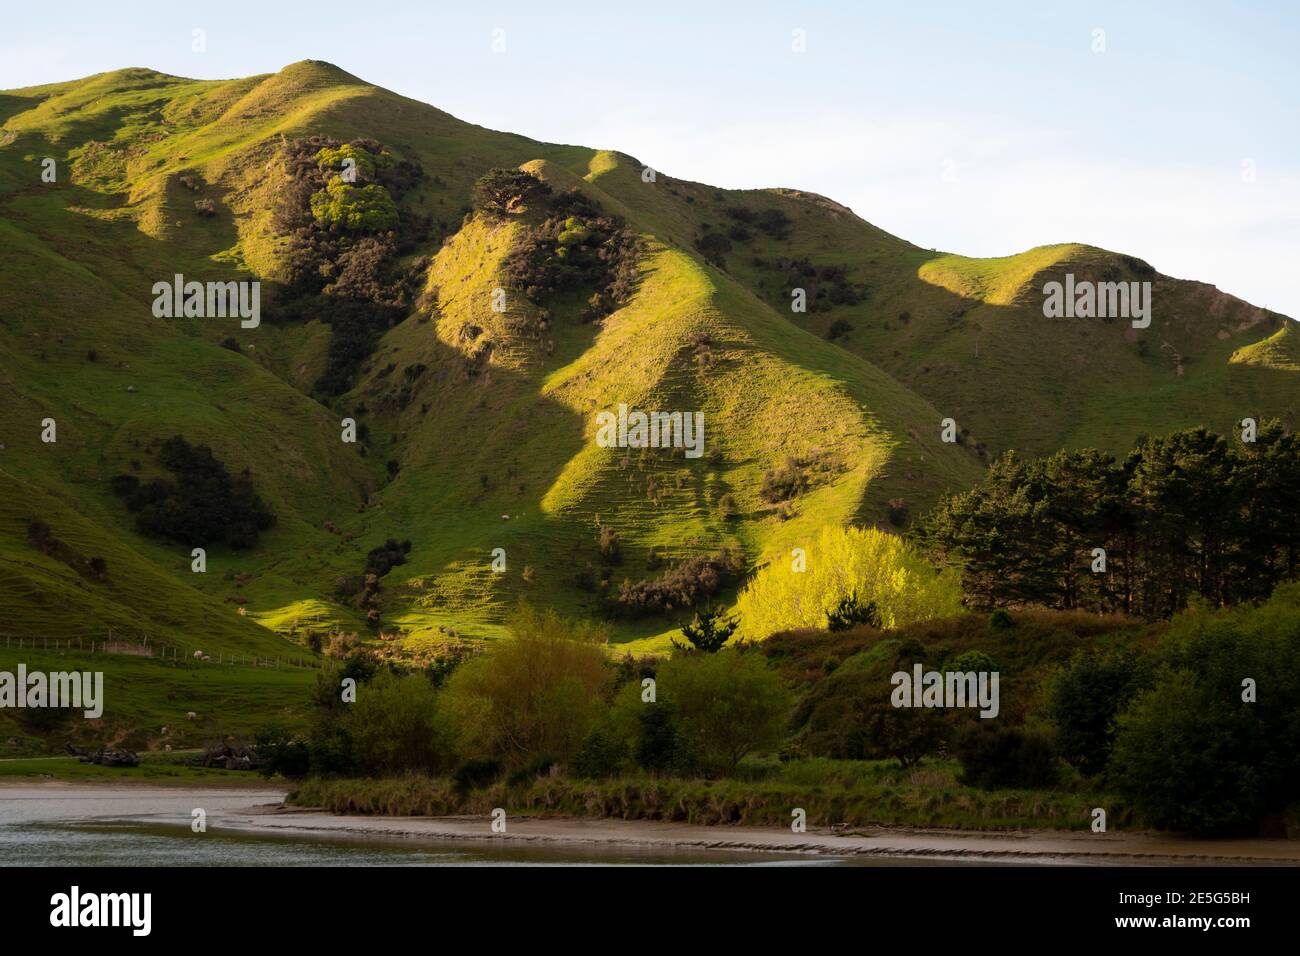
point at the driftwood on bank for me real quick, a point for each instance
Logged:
(105, 757)
(229, 757)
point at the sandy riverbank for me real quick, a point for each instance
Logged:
(1022, 847)
(261, 812)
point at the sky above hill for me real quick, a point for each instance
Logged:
(1169, 131)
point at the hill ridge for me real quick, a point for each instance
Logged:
(480, 423)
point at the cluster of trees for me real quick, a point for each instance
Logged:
(849, 714)
(1197, 732)
(1201, 734)
(804, 589)
(825, 286)
(577, 246)
(322, 227)
(775, 223)
(548, 698)
(1221, 685)
(1188, 514)
(715, 244)
(344, 241)
(204, 505)
(502, 192)
(367, 208)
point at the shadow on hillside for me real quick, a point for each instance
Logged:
(11, 106)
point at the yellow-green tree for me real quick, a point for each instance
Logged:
(356, 208)
(798, 589)
(536, 695)
(330, 160)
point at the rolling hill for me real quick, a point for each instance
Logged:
(479, 409)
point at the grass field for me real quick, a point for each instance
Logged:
(142, 696)
(156, 769)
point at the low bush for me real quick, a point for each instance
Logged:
(681, 586)
(1000, 757)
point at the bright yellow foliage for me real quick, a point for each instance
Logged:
(876, 565)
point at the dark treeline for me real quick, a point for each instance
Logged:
(1192, 513)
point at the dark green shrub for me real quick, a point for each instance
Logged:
(1083, 702)
(851, 613)
(387, 556)
(972, 660)
(709, 630)
(773, 222)
(395, 727)
(725, 706)
(477, 773)
(603, 754)
(994, 758)
(533, 770)
(279, 751)
(1190, 753)
(714, 246)
(659, 749)
(501, 191)
(839, 328)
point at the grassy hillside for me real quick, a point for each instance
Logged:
(487, 417)
(146, 703)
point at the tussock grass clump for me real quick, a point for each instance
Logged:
(864, 795)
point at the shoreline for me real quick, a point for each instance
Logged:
(900, 844)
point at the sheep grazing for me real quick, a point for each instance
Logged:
(198, 655)
(190, 715)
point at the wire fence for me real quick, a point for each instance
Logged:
(149, 647)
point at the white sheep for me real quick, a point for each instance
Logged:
(190, 715)
(198, 655)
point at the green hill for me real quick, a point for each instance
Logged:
(479, 425)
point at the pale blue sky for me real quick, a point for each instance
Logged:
(981, 131)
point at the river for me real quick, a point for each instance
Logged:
(135, 826)
(56, 824)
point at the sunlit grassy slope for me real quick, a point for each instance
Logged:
(506, 458)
